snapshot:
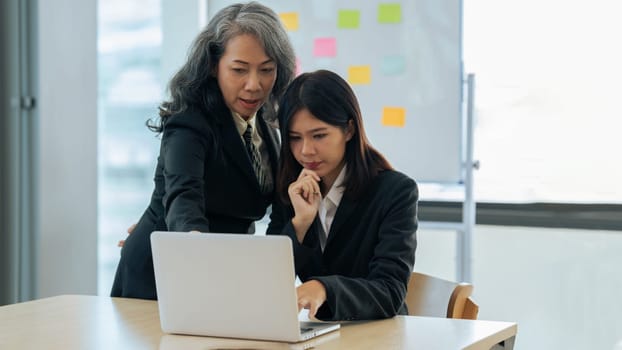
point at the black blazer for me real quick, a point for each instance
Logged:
(204, 181)
(369, 253)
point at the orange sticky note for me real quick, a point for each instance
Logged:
(394, 116)
(290, 20)
(359, 75)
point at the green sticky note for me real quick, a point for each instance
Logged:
(389, 13)
(348, 19)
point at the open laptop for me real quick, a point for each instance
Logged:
(229, 285)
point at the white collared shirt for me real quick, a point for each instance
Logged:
(242, 124)
(330, 203)
(259, 144)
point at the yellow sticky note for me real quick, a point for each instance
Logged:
(359, 75)
(394, 116)
(290, 20)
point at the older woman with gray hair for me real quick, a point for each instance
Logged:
(219, 148)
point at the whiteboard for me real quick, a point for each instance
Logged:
(403, 60)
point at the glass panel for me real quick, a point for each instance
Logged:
(562, 287)
(130, 89)
(547, 111)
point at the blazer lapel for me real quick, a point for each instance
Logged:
(270, 138)
(344, 211)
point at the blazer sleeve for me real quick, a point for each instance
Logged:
(381, 293)
(308, 252)
(185, 148)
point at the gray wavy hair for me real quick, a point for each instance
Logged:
(195, 84)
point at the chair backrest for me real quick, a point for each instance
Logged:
(432, 296)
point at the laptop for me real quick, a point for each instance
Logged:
(188, 342)
(229, 285)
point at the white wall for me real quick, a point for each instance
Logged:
(67, 147)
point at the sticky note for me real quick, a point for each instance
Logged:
(325, 47)
(389, 13)
(359, 75)
(348, 19)
(298, 67)
(393, 65)
(290, 20)
(394, 116)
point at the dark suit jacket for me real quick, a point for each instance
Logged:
(369, 253)
(204, 181)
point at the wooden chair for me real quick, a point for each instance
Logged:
(431, 296)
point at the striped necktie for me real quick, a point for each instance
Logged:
(253, 155)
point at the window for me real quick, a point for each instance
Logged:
(546, 110)
(130, 89)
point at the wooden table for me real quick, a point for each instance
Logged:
(91, 322)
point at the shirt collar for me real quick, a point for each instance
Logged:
(242, 124)
(336, 191)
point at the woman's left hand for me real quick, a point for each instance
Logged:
(304, 193)
(305, 196)
(311, 295)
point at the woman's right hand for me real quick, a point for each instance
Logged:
(130, 229)
(305, 195)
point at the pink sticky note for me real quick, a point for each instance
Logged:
(325, 47)
(298, 67)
